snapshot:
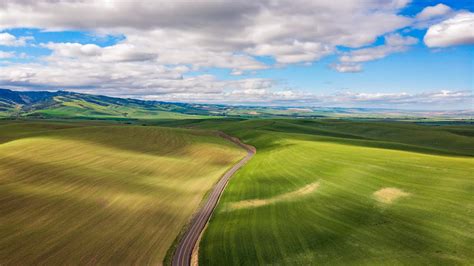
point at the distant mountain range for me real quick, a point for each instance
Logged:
(64, 104)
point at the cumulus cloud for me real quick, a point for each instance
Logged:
(115, 53)
(7, 39)
(394, 43)
(294, 52)
(150, 82)
(160, 53)
(398, 40)
(433, 12)
(404, 98)
(347, 67)
(137, 79)
(161, 50)
(370, 54)
(4, 55)
(431, 15)
(291, 31)
(222, 34)
(457, 30)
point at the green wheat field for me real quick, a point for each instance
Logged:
(317, 192)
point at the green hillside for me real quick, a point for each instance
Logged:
(67, 107)
(341, 192)
(318, 191)
(90, 193)
(63, 104)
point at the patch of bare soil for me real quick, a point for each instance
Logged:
(286, 196)
(389, 194)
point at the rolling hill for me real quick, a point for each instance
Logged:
(371, 202)
(97, 193)
(337, 192)
(321, 191)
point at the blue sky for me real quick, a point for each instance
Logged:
(419, 69)
(390, 53)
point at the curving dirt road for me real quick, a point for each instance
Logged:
(183, 253)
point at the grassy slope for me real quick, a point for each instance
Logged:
(75, 192)
(341, 222)
(82, 109)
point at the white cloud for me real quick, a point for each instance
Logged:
(7, 39)
(432, 15)
(161, 49)
(73, 49)
(398, 40)
(291, 31)
(222, 34)
(370, 54)
(4, 55)
(236, 72)
(138, 79)
(294, 52)
(394, 43)
(400, 99)
(115, 53)
(147, 81)
(433, 12)
(347, 67)
(135, 49)
(457, 30)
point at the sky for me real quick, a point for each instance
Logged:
(350, 53)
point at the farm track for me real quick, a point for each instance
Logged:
(183, 253)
